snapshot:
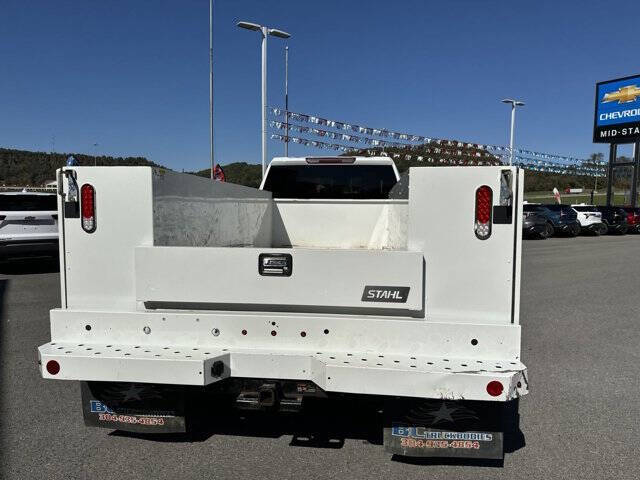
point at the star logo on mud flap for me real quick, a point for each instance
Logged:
(447, 412)
(132, 393)
(443, 414)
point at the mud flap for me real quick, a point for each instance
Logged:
(134, 407)
(442, 428)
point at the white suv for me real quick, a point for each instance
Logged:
(28, 224)
(590, 219)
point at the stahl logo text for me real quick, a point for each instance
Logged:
(374, 293)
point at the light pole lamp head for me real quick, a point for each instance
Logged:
(515, 103)
(279, 33)
(249, 26)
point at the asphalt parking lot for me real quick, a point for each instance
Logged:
(580, 317)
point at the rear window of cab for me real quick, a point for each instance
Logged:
(28, 203)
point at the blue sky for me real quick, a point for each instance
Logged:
(133, 75)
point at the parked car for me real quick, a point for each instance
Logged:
(615, 218)
(535, 226)
(562, 218)
(633, 219)
(28, 224)
(590, 219)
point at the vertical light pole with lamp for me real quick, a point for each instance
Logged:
(514, 104)
(95, 154)
(286, 101)
(213, 164)
(265, 32)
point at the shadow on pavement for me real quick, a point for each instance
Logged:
(466, 462)
(322, 424)
(30, 266)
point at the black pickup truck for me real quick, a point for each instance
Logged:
(535, 226)
(615, 219)
(562, 218)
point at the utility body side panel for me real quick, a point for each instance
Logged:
(99, 266)
(467, 279)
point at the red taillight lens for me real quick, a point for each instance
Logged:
(494, 388)
(88, 208)
(484, 206)
(53, 367)
(631, 218)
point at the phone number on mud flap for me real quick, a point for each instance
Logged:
(107, 417)
(413, 443)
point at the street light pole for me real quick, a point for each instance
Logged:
(265, 31)
(514, 104)
(286, 101)
(95, 154)
(213, 164)
(513, 121)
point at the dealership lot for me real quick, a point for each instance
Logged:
(580, 334)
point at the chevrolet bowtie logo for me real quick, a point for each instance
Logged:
(623, 95)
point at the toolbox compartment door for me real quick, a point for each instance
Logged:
(330, 280)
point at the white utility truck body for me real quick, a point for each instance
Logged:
(173, 280)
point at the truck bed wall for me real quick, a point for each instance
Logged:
(370, 224)
(192, 211)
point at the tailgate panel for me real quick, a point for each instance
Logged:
(194, 278)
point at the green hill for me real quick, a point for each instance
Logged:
(242, 173)
(25, 168)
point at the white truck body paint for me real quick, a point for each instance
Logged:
(179, 254)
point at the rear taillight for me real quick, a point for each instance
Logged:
(53, 367)
(88, 208)
(494, 388)
(484, 203)
(631, 218)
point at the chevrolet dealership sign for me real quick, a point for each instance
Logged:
(617, 111)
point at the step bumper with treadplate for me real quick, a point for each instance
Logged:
(361, 373)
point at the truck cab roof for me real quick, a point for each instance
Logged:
(26, 192)
(328, 160)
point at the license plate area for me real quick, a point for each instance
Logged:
(445, 428)
(134, 407)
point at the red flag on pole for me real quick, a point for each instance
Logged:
(218, 174)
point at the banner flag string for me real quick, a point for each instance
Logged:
(524, 162)
(419, 140)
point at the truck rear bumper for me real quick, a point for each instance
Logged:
(22, 248)
(346, 372)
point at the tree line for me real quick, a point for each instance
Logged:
(26, 168)
(23, 168)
